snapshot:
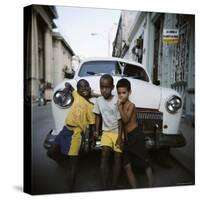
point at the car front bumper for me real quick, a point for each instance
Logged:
(152, 141)
(50, 138)
(160, 140)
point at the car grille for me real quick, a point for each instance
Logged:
(149, 115)
(148, 120)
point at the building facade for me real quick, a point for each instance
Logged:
(40, 50)
(62, 59)
(169, 59)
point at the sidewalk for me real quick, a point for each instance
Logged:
(185, 155)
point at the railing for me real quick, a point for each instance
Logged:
(148, 120)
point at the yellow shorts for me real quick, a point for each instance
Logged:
(75, 142)
(109, 139)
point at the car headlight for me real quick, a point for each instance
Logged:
(173, 104)
(63, 100)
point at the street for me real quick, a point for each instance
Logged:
(49, 177)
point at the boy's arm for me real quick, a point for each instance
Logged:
(94, 94)
(97, 124)
(126, 116)
(92, 128)
(119, 139)
(92, 133)
(120, 128)
(68, 87)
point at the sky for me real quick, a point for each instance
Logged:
(76, 24)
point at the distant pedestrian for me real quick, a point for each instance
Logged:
(42, 87)
(134, 153)
(106, 111)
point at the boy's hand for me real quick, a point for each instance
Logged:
(96, 134)
(119, 103)
(119, 143)
(93, 94)
(68, 88)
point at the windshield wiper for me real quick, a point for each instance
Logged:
(95, 73)
(91, 73)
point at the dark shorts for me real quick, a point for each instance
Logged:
(135, 152)
(64, 140)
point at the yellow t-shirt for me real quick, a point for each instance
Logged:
(81, 112)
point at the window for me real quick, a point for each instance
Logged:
(116, 68)
(135, 72)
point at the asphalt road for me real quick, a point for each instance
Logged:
(49, 177)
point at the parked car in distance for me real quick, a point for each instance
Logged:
(159, 109)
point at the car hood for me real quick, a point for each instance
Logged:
(144, 94)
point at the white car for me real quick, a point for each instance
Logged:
(159, 109)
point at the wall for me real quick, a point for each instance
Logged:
(175, 62)
(62, 58)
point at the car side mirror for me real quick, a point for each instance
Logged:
(156, 82)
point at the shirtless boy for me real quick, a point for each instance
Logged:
(134, 154)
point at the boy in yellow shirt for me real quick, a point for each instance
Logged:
(79, 116)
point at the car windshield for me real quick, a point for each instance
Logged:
(99, 68)
(113, 68)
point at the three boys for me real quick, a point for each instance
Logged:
(117, 118)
